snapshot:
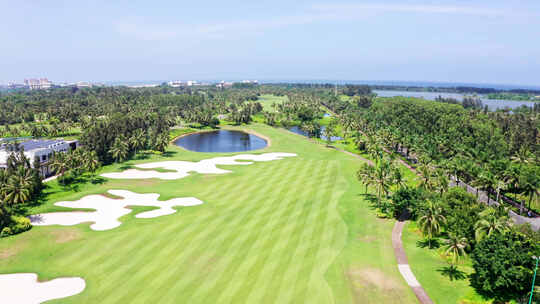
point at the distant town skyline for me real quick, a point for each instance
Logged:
(457, 41)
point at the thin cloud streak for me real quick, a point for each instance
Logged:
(318, 13)
(144, 31)
(427, 9)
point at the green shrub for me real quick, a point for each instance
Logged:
(5, 232)
(21, 224)
(407, 200)
(18, 224)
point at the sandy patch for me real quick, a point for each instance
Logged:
(372, 277)
(9, 252)
(64, 236)
(182, 168)
(109, 210)
(268, 140)
(23, 288)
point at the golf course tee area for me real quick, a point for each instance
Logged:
(293, 230)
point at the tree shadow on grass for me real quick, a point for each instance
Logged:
(431, 243)
(141, 156)
(98, 180)
(371, 198)
(168, 154)
(126, 167)
(452, 272)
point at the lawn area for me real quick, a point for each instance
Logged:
(296, 230)
(427, 265)
(267, 100)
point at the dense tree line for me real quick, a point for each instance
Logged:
(20, 184)
(496, 151)
(119, 136)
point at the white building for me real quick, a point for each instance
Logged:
(41, 149)
(176, 83)
(83, 84)
(38, 84)
(224, 84)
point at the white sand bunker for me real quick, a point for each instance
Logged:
(109, 210)
(205, 166)
(23, 288)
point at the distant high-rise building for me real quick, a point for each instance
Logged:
(36, 84)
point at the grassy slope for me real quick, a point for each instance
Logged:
(293, 230)
(268, 100)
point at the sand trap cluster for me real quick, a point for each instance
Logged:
(23, 288)
(206, 166)
(109, 210)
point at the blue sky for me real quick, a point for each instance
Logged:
(495, 41)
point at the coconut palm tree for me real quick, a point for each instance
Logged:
(485, 181)
(432, 220)
(365, 175)
(18, 189)
(137, 140)
(382, 177)
(490, 222)
(162, 141)
(455, 247)
(91, 162)
(119, 150)
(441, 181)
(529, 181)
(397, 177)
(425, 177)
(59, 163)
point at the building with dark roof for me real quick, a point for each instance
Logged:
(41, 149)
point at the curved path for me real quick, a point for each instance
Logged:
(399, 251)
(397, 244)
(403, 264)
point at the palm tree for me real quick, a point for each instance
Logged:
(397, 177)
(489, 223)
(91, 161)
(162, 141)
(137, 140)
(425, 177)
(441, 181)
(17, 190)
(455, 247)
(522, 156)
(432, 220)
(59, 163)
(499, 185)
(485, 181)
(365, 174)
(119, 150)
(382, 177)
(529, 181)
(329, 132)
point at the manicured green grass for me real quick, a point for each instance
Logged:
(267, 100)
(427, 265)
(296, 230)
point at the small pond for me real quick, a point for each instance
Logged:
(298, 130)
(221, 141)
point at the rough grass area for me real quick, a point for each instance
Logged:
(296, 230)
